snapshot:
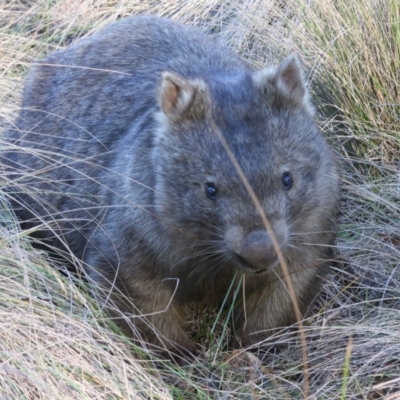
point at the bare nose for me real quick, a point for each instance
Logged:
(258, 250)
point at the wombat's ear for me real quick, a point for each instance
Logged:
(288, 80)
(177, 95)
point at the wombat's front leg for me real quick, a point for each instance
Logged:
(146, 311)
(162, 322)
(268, 305)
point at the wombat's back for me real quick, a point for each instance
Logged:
(129, 55)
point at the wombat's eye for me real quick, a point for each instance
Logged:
(211, 190)
(287, 180)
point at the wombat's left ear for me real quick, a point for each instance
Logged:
(287, 80)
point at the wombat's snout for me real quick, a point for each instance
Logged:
(254, 252)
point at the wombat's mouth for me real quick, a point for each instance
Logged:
(247, 267)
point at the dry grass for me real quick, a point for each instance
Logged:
(358, 44)
(55, 342)
(52, 341)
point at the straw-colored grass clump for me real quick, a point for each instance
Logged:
(52, 342)
(56, 343)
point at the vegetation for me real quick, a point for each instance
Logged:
(56, 343)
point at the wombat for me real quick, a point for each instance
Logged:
(116, 159)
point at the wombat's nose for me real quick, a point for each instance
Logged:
(258, 250)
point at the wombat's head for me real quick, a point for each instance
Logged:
(266, 119)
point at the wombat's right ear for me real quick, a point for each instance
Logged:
(286, 80)
(177, 95)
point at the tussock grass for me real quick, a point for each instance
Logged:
(353, 50)
(358, 44)
(55, 343)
